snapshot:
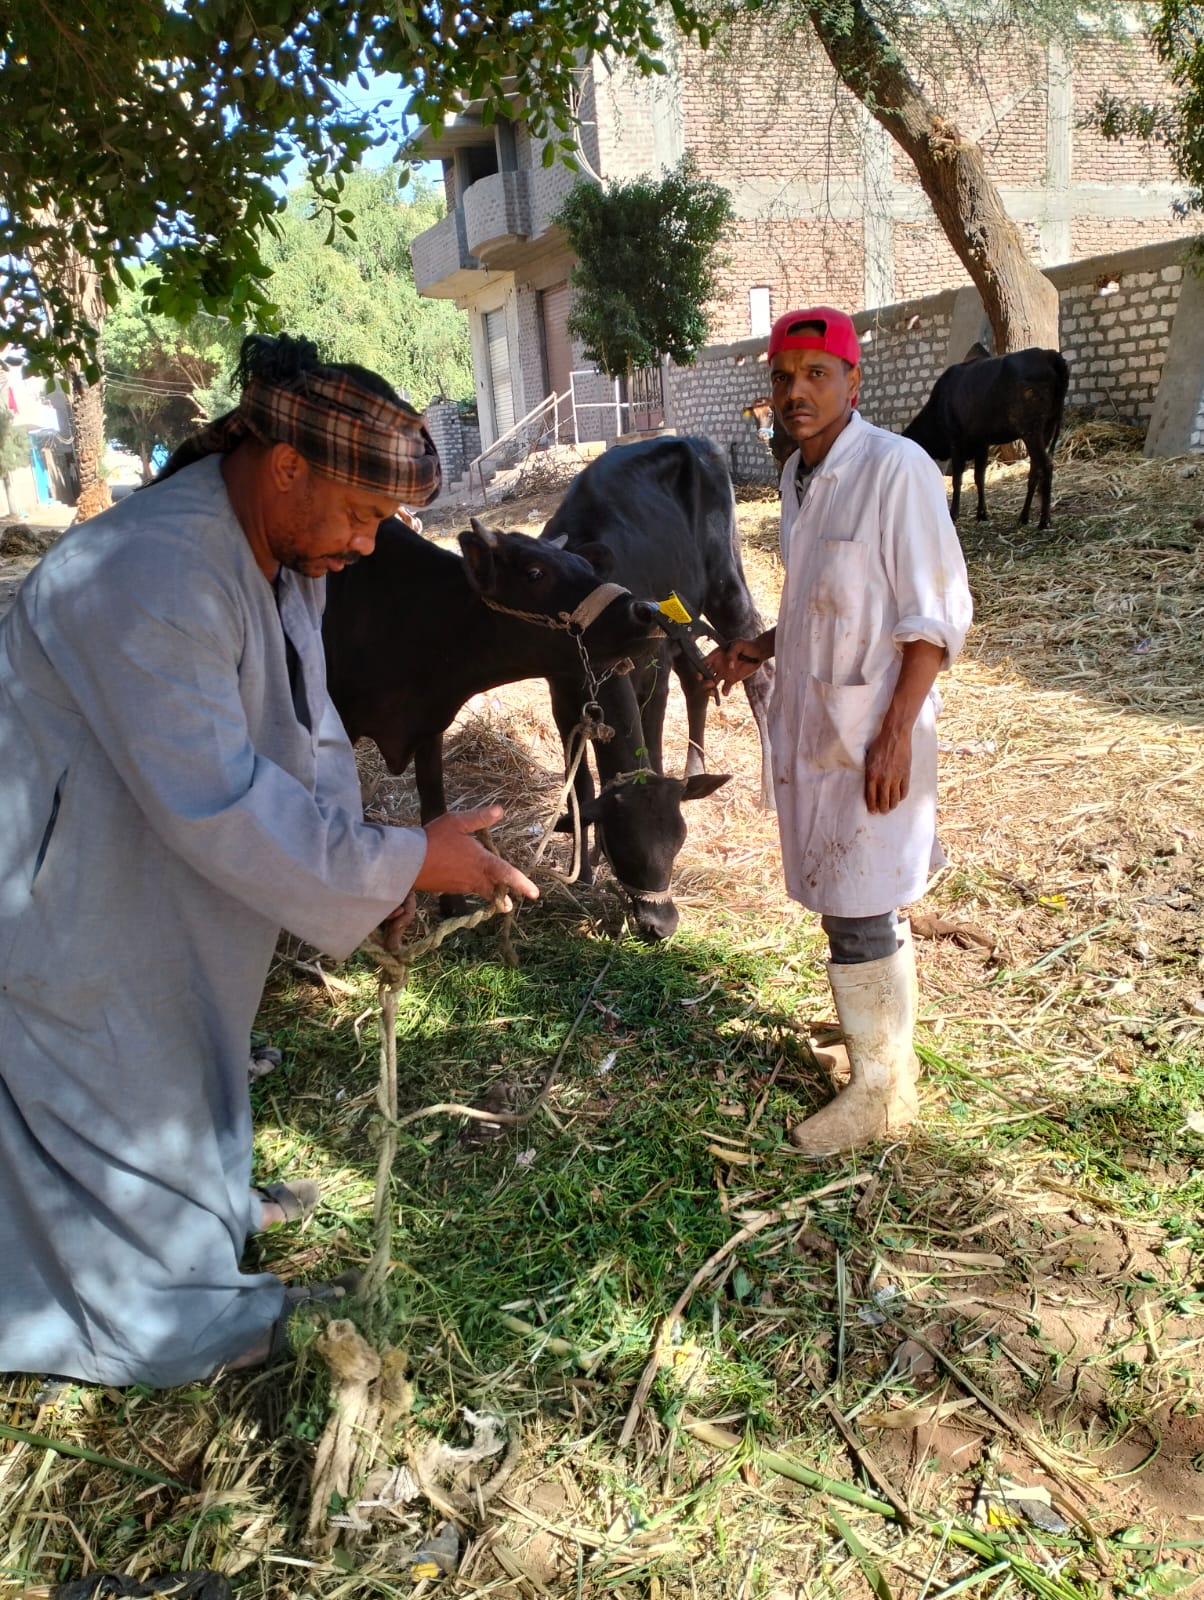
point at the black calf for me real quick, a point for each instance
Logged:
(990, 401)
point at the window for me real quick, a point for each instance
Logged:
(758, 311)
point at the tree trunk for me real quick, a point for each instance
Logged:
(88, 432)
(1018, 298)
(57, 259)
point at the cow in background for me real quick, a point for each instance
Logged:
(659, 516)
(770, 431)
(987, 400)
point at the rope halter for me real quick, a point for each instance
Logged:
(578, 620)
(656, 897)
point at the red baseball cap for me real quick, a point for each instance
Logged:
(839, 336)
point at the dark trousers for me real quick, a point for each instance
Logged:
(854, 940)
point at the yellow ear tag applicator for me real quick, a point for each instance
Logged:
(674, 609)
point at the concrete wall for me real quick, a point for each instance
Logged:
(1126, 320)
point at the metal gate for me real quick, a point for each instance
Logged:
(645, 396)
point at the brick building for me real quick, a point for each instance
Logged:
(827, 206)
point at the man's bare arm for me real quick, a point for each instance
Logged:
(888, 758)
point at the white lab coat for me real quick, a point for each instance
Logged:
(872, 562)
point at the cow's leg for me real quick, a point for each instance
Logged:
(735, 617)
(1040, 473)
(758, 688)
(1046, 486)
(566, 711)
(652, 692)
(428, 777)
(980, 482)
(432, 802)
(957, 465)
(697, 698)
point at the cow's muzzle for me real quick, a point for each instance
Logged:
(653, 912)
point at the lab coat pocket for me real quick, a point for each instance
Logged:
(839, 721)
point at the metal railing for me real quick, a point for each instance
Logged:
(536, 419)
(616, 405)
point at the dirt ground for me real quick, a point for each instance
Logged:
(1065, 938)
(1072, 804)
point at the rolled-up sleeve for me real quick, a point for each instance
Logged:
(924, 558)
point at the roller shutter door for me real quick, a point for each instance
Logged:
(557, 346)
(499, 371)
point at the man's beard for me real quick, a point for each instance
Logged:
(313, 566)
(309, 563)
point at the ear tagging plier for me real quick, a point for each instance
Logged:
(677, 624)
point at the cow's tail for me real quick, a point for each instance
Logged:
(1061, 374)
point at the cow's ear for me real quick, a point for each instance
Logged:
(591, 811)
(703, 784)
(600, 556)
(479, 546)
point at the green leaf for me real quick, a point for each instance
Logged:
(871, 1571)
(1167, 1578)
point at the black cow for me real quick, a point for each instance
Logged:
(660, 516)
(995, 400)
(412, 631)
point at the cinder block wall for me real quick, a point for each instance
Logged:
(443, 423)
(1116, 316)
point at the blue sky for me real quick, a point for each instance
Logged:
(383, 87)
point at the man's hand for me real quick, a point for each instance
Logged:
(394, 925)
(887, 769)
(740, 659)
(457, 863)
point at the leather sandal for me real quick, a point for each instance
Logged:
(264, 1058)
(308, 1294)
(298, 1200)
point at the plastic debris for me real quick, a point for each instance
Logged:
(437, 1556)
(1008, 1504)
(911, 1360)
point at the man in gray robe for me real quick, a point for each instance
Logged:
(175, 788)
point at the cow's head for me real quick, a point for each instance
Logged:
(769, 429)
(641, 831)
(539, 581)
(926, 429)
(761, 412)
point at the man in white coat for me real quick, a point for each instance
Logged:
(875, 604)
(176, 787)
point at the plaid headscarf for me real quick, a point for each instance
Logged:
(343, 419)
